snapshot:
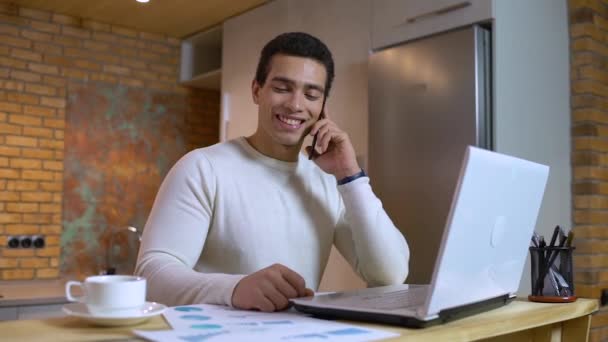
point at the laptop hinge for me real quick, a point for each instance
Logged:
(474, 308)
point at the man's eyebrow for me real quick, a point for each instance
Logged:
(292, 82)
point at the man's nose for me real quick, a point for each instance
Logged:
(294, 103)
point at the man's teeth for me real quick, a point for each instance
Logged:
(288, 121)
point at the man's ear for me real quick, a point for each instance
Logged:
(255, 91)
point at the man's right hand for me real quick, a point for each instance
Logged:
(269, 289)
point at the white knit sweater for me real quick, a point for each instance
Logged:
(226, 211)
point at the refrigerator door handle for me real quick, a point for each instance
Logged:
(437, 12)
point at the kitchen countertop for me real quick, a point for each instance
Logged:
(32, 292)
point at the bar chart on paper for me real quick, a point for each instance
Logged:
(204, 322)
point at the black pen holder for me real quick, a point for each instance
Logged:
(552, 275)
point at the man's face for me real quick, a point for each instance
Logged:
(290, 100)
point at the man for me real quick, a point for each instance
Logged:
(250, 222)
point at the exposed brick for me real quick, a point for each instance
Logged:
(43, 68)
(47, 273)
(152, 37)
(9, 30)
(151, 56)
(100, 77)
(66, 41)
(10, 107)
(22, 98)
(54, 262)
(12, 63)
(50, 251)
(37, 36)
(40, 111)
(50, 229)
(18, 274)
(105, 37)
(3, 163)
(17, 252)
(9, 173)
(53, 165)
(124, 31)
(12, 85)
(131, 82)
(37, 175)
(37, 153)
(9, 217)
(38, 132)
(22, 207)
(50, 208)
(55, 81)
(22, 229)
(11, 19)
(20, 185)
(59, 155)
(34, 262)
(588, 44)
(66, 19)
(76, 32)
(26, 54)
(581, 15)
(51, 186)
(15, 41)
(59, 134)
(45, 27)
(56, 102)
(34, 14)
(25, 76)
(96, 46)
(86, 64)
(95, 26)
(25, 120)
(21, 163)
(75, 74)
(59, 61)
(8, 263)
(9, 151)
(53, 240)
(116, 69)
(36, 197)
(10, 129)
(40, 89)
(54, 123)
(173, 41)
(38, 218)
(593, 73)
(21, 141)
(136, 64)
(164, 69)
(48, 143)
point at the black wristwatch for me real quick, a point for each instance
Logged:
(349, 179)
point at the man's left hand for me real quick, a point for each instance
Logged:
(334, 151)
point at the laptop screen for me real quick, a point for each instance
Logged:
(485, 241)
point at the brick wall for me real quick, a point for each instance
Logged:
(589, 101)
(41, 55)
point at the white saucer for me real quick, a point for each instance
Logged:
(150, 309)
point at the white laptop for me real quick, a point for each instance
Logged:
(481, 257)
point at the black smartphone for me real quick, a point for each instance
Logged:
(313, 153)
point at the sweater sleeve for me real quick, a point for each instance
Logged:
(368, 239)
(174, 237)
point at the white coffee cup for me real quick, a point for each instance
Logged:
(110, 294)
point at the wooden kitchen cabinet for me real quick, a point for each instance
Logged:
(397, 21)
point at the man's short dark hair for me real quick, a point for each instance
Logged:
(298, 44)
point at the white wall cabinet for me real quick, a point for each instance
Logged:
(201, 59)
(396, 21)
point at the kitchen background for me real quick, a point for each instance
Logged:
(92, 115)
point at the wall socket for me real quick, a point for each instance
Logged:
(26, 241)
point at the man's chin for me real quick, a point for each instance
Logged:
(289, 141)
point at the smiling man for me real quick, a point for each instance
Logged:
(250, 222)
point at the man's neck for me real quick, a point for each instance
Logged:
(274, 150)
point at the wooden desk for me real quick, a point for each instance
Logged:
(519, 321)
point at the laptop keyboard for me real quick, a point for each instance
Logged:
(400, 299)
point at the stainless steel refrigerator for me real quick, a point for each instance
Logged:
(429, 99)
